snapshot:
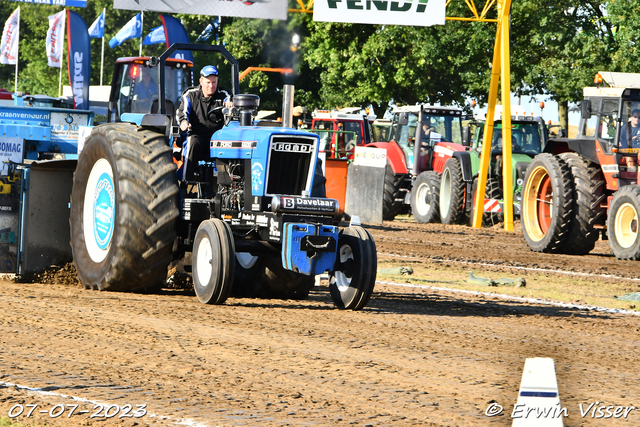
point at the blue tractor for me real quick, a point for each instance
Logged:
(248, 218)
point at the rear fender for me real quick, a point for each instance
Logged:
(159, 122)
(592, 150)
(465, 164)
(442, 152)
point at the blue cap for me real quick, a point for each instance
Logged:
(209, 70)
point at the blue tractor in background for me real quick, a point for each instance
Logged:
(248, 217)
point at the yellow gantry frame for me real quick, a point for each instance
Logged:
(500, 72)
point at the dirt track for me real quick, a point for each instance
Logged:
(411, 357)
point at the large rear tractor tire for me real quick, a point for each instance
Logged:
(124, 209)
(425, 196)
(213, 261)
(622, 223)
(390, 207)
(351, 283)
(589, 185)
(452, 192)
(547, 203)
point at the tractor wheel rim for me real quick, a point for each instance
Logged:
(445, 191)
(342, 280)
(423, 199)
(246, 260)
(204, 262)
(537, 204)
(626, 225)
(99, 210)
(545, 204)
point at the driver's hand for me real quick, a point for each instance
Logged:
(228, 103)
(185, 125)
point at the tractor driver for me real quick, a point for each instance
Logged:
(630, 134)
(196, 117)
(145, 91)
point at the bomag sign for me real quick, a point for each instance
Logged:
(397, 12)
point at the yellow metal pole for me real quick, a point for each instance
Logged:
(507, 174)
(487, 136)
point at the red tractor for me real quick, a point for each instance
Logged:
(423, 138)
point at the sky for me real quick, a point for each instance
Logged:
(550, 111)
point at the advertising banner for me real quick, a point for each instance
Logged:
(79, 51)
(265, 9)
(55, 36)
(422, 13)
(10, 39)
(176, 33)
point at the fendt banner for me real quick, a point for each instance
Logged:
(265, 9)
(424, 13)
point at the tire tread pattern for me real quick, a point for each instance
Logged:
(392, 183)
(589, 185)
(456, 212)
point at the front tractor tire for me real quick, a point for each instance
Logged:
(622, 223)
(124, 209)
(425, 196)
(352, 281)
(452, 193)
(547, 203)
(213, 261)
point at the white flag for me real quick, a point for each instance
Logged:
(55, 37)
(10, 36)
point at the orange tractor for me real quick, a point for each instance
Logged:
(580, 189)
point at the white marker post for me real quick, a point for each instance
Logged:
(538, 398)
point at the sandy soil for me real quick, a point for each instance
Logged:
(412, 357)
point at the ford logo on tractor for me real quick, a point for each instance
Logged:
(293, 147)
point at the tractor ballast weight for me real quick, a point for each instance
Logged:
(248, 217)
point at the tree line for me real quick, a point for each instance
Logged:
(557, 46)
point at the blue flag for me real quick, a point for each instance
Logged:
(79, 54)
(96, 30)
(208, 31)
(176, 33)
(155, 36)
(132, 30)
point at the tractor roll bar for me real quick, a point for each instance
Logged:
(235, 68)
